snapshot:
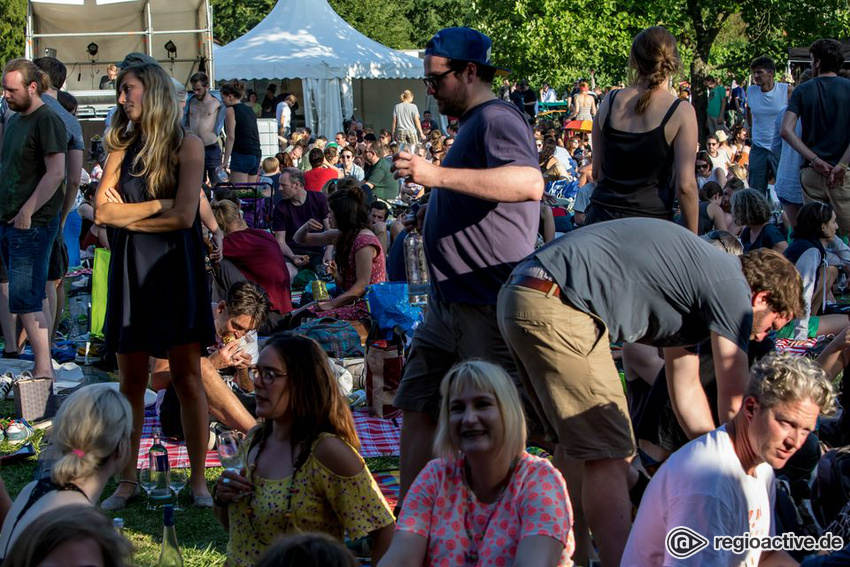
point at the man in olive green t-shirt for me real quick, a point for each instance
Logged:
(33, 166)
(380, 178)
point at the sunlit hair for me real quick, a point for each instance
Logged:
(782, 378)
(750, 208)
(92, 425)
(226, 213)
(488, 378)
(738, 172)
(234, 88)
(316, 402)
(159, 130)
(406, 96)
(769, 271)
(653, 58)
(725, 241)
(30, 74)
(77, 523)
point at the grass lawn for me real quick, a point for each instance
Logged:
(203, 542)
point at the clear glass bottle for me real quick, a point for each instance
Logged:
(169, 556)
(416, 266)
(159, 467)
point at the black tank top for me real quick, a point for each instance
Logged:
(636, 170)
(247, 136)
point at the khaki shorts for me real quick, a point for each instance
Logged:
(564, 359)
(815, 189)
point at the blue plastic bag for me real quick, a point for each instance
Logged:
(390, 308)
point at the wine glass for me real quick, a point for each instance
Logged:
(177, 480)
(148, 484)
(230, 451)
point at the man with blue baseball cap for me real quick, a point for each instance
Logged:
(481, 219)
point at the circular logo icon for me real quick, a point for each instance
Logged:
(682, 542)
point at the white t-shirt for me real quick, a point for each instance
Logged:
(702, 486)
(719, 162)
(284, 114)
(764, 108)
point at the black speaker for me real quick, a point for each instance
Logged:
(50, 52)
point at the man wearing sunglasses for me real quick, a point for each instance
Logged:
(480, 221)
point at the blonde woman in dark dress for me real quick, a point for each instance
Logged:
(158, 304)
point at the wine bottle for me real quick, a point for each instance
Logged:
(158, 461)
(170, 554)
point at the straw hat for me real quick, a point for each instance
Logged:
(721, 136)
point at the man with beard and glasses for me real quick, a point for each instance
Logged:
(33, 164)
(480, 219)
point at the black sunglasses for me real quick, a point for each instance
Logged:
(433, 83)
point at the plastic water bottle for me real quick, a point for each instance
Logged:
(118, 524)
(79, 316)
(416, 266)
(169, 556)
(160, 470)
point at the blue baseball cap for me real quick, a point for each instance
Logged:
(463, 44)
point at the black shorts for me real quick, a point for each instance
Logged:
(169, 412)
(58, 260)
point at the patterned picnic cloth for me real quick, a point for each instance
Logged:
(388, 483)
(378, 438)
(794, 346)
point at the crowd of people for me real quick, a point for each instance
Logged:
(546, 243)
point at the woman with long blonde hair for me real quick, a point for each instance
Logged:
(158, 302)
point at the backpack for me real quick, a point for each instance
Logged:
(339, 339)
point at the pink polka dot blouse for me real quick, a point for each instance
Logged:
(442, 509)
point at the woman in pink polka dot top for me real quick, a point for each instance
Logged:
(485, 501)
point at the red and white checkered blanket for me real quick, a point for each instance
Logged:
(795, 347)
(378, 438)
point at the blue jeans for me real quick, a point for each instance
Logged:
(26, 255)
(763, 164)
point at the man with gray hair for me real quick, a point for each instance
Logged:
(722, 484)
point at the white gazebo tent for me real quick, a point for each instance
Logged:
(337, 65)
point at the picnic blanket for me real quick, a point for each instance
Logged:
(388, 483)
(378, 438)
(795, 346)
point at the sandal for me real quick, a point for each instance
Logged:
(116, 502)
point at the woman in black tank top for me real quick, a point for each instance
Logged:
(242, 149)
(638, 171)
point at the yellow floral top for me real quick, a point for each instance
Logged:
(323, 502)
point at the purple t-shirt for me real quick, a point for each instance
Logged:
(287, 217)
(472, 244)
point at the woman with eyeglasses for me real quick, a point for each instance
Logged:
(302, 472)
(347, 165)
(644, 140)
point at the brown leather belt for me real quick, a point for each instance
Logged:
(536, 283)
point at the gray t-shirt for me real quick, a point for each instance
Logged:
(652, 282)
(405, 114)
(72, 125)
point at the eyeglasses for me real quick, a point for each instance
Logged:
(433, 83)
(267, 376)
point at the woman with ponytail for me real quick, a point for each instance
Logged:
(359, 259)
(645, 140)
(242, 150)
(91, 436)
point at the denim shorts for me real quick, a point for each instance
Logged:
(243, 163)
(26, 256)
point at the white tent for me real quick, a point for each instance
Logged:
(307, 40)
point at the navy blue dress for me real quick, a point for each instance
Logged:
(158, 295)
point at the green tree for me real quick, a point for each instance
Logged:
(427, 17)
(384, 22)
(232, 19)
(12, 27)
